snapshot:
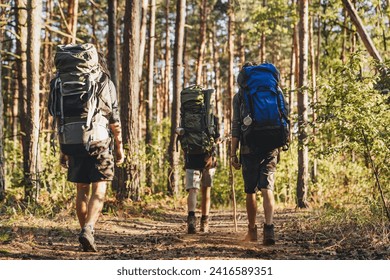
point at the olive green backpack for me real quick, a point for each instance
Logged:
(79, 100)
(197, 123)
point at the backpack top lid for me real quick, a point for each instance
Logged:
(76, 58)
(250, 76)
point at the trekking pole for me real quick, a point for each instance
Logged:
(231, 181)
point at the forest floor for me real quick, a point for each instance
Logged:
(158, 234)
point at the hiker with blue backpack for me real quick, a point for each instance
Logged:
(84, 106)
(260, 128)
(198, 134)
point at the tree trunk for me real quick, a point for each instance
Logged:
(2, 177)
(142, 47)
(15, 112)
(231, 66)
(173, 174)
(129, 181)
(167, 61)
(73, 6)
(144, 16)
(314, 91)
(344, 37)
(214, 50)
(31, 171)
(21, 46)
(293, 64)
(242, 49)
(46, 119)
(93, 26)
(262, 56)
(202, 40)
(318, 44)
(361, 30)
(303, 154)
(111, 41)
(186, 61)
(149, 105)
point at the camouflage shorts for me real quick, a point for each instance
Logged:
(89, 169)
(258, 170)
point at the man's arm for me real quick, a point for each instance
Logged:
(233, 153)
(117, 131)
(236, 131)
(234, 146)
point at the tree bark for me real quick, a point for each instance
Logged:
(111, 41)
(142, 45)
(167, 61)
(149, 105)
(129, 181)
(218, 93)
(202, 40)
(2, 175)
(242, 49)
(231, 65)
(73, 6)
(21, 46)
(344, 37)
(314, 91)
(262, 40)
(293, 63)
(31, 171)
(361, 30)
(173, 174)
(303, 154)
(46, 120)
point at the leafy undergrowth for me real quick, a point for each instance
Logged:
(157, 231)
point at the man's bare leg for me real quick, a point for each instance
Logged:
(82, 198)
(96, 203)
(89, 211)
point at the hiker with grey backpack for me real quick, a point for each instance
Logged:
(84, 106)
(198, 134)
(260, 128)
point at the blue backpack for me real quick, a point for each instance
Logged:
(265, 122)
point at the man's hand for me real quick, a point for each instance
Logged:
(211, 161)
(119, 155)
(64, 160)
(117, 131)
(235, 162)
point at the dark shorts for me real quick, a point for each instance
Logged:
(87, 169)
(196, 162)
(200, 170)
(258, 170)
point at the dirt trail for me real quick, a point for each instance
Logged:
(163, 236)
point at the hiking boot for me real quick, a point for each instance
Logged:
(268, 235)
(191, 224)
(204, 224)
(87, 240)
(251, 234)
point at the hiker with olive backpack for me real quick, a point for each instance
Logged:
(260, 128)
(84, 106)
(198, 134)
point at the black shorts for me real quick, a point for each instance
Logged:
(258, 170)
(90, 169)
(196, 162)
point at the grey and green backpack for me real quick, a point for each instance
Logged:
(79, 100)
(197, 131)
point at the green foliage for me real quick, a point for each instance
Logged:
(157, 156)
(353, 122)
(54, 195)
(286, 176)
(221, 193)
(352, 108)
